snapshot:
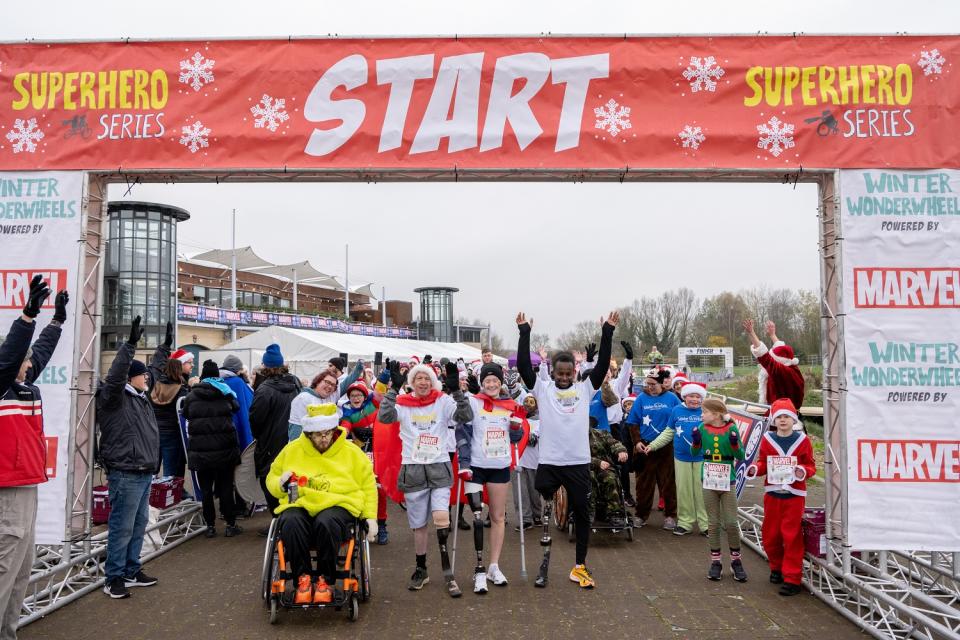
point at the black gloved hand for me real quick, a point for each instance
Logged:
(60, 304)
(168, 338)
(696, 438)
(532, 440)
(396, 378)
(473, 385)
(451, 377)
(627, 350)
(39, 292)
(136, 332)
(427, 359)
(734, 439)
(591, 351)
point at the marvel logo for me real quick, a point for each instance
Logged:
(931, 288)
(15, 285)
(908, 460)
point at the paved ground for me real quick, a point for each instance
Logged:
(654, 587)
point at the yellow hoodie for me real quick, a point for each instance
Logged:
(342, 476)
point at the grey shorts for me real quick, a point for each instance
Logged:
(420, 504)
(417, 477)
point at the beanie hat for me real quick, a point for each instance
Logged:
(783, 407)
(491, 369)
(320, 417)
(137, 368)
(182, 355)
(272, 356)
(783, 353)
(232, 363)
(209, 370)
(427, 369)
(359, 385)
(338, 362)
(693, 387)
(660, 375)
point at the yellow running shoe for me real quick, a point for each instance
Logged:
(581, 575)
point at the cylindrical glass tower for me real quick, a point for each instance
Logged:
(436, 313)
(140, 274)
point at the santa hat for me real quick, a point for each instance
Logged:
(783, 353)
(320, 417)
(413, 361)
(359, 385)
(182, 355)
(632, 398)
(698, 388)
(427, 369)
(680, 377)
(783, 407)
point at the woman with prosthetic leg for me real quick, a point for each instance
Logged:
(564, 406)
(484, 447)
(426, 475)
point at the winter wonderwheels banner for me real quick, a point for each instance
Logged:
(751, 102)
(901, 266)
(40, 234)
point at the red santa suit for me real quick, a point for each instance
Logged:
(783, 503)
(780, 375)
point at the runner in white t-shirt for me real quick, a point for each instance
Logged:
(564, 406)
(426, 475)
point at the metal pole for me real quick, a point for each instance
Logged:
(489, 337)
(519, 472)
(233, 273)
(383, 304)
(346, 288)
(295, 305)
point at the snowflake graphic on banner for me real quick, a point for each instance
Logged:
(197, 71)
(703, 73)
(692, 137)
(25, 135)
(775, 136)
(195, 136)
(269, 113)
(931, 62)
(612, 117)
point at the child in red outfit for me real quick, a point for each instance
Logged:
(786, 459)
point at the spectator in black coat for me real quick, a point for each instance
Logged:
(213, 450)
(270, 414)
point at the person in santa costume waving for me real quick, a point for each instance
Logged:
(780, 375)
(786, 459)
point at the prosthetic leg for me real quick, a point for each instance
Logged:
(474, 497)
(545, 542)
(442, 521)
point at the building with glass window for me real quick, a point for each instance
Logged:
(140, 274)
(436, 313)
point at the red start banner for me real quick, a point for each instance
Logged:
(748, 102)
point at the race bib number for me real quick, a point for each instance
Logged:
(716, 476)
(426, 449)
(495, 443)
(781, 469)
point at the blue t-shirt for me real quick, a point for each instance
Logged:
(684, 420)
(651, 413)
(598, 411)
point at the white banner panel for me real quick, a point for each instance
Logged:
(901, 271)
(40, 227)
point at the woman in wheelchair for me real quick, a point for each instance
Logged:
(324, 484)
(607, 503)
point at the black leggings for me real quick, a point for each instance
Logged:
(324, 532)
(576, 480)
(220, 480)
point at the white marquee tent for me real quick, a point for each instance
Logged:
(305, 351)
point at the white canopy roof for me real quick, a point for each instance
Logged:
(246, 258)
(304, 271)
(305, 346)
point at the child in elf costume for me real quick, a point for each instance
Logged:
(786, 459)
(359, 414)
(719, 440)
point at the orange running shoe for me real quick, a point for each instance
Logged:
(304, 591)
(322, 593)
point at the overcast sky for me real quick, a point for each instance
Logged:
(503, 244)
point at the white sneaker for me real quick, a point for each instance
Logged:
(496, 576)
(480, 582)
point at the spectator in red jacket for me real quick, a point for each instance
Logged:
(23, 463)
